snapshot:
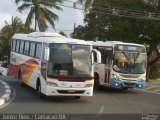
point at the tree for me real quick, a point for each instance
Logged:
(110, 26)
(62, 33)
(87, 4)
(6, 33)
(40, 10)
(79, 33)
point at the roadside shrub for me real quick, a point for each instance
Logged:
(155, 71)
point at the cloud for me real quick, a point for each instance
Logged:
(67, 17)
(8, 9)
(4, 17)
(79, 17)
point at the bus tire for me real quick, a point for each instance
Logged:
(125, 88)
(96, 82)
(20, 79)
(77, 97)
(40, 94)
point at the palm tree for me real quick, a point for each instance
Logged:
(6, 34)
(10, 29)
(40, 10)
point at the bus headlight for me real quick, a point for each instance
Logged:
(142, 79)
(116, 77)
(52, 84)
(89, 85)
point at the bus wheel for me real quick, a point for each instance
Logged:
(41, 95)
(96, 82)
(77, 97)
(125, 88)
(20, 79)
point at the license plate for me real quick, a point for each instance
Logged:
(71, 91)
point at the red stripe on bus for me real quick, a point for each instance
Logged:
(71, 79)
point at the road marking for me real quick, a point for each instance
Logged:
(13, 96)
(157, 90)
(101, 109)
(151, 92)
(151, 87)
(7, 94)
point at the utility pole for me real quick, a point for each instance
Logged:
(74, 26)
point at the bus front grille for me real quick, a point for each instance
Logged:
(71, 92)
(129, 84)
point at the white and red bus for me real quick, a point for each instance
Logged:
(123, 65)
(53, 64)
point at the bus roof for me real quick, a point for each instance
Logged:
(48, 37)
(111, 43)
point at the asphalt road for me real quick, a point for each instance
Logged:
(106, 101)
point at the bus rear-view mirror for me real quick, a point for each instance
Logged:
(98, 56)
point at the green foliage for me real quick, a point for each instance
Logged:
(62, 33)
(102, 26)
(40, 10)
(6, 33)
(155, 71)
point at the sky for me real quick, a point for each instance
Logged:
(66, 21)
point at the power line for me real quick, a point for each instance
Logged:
(69, 1)
(69, 6)
(115, 10)
(123, 15)
(122, 11)
(64, 30)
(112, 10)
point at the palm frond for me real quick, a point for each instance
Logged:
(50, 17)
(53, 1)
(24, 6)
(80, 1)
(25, 1)
(50, 5)
(17, 1)
(29, 17)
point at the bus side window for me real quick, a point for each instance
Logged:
(17, 46)
(21, 47)
(32, 49)
(26, 48)
(38, 50)
(13, 45)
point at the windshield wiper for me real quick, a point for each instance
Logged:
(126, 55)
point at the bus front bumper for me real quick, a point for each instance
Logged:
(127, 84)
(58, 91)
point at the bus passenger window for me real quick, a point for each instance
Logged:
(32, 49)
(38, 50)
(13, 45)
(17, 46)
(26, 48)
(21, 47)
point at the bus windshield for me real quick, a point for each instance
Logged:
(68, 60)
(130, 62)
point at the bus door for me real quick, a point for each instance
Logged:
(108, 55)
